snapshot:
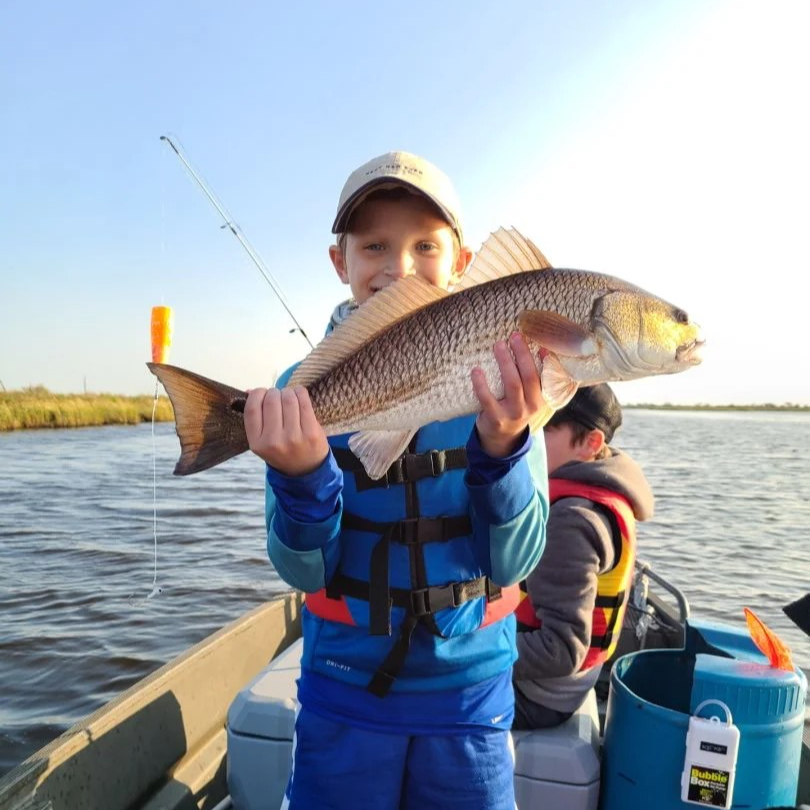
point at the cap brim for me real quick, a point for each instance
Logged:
(347, 209)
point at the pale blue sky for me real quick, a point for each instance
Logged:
(663, 142)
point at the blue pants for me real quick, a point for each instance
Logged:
(338, 767)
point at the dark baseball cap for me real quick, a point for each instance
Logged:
(595, 407)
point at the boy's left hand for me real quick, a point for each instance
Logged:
(502, 422)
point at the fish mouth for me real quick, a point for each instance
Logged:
(690, 352)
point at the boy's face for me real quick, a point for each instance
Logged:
(391, 239)
(561, 447)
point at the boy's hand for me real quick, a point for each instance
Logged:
(282, 429)
(501, 422)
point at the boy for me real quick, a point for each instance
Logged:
(570, 618)
(405, 691)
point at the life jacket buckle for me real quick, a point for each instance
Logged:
(458, 591)
(424, 465)
(420, 602)
(412, 531)
(408, 531)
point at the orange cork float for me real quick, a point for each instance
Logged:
(162, 326)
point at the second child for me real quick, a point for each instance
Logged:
(571, 616)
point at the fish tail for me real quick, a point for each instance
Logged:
(208, 417)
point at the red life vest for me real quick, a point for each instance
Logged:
(613, 586)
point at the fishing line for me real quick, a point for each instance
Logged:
(155, 589)
(160, 333)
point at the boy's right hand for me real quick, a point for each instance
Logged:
(283, 430)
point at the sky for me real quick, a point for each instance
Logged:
(666, 142)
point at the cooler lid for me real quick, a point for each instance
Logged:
(266, 706)
(755, 692)
(706, 636)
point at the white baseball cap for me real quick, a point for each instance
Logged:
(399, 169)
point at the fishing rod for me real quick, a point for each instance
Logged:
(237, 232)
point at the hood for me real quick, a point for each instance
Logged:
(619, 473)
(340, 313)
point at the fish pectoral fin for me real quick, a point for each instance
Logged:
(379, 449)
(556, 333)
(558, 385)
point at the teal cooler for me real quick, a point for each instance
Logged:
(654, 692)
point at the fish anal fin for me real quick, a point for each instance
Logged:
(504, 253)
(540, 419)
(379, 312)
(556, 333)
(558, 385)
(378, 449)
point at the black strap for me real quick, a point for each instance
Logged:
(602, 602)
(417, 602)
(609, 601)
(493, 591)
(412, 531)
(383, 679)
(607, 638)
(409, 467)
(379, 597)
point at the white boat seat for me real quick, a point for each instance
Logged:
(559, 767)
(261, 723)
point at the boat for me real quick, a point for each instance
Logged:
(163, 743)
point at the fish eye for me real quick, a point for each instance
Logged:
(681, 316)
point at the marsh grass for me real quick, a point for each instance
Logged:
(36, 407)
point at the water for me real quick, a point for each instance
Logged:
(732, 528)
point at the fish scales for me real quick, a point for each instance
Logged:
(419, 353)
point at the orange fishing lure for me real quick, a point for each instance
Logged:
(772, 647)
(162, 326)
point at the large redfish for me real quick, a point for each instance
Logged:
(403, 358)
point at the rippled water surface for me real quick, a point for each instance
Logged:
(76, 548)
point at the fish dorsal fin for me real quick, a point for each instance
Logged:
(505, 252)
(382, 310)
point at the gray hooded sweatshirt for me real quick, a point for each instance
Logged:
(579, 547)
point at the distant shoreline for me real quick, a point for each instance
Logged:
(39, 408)
(788, 407)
